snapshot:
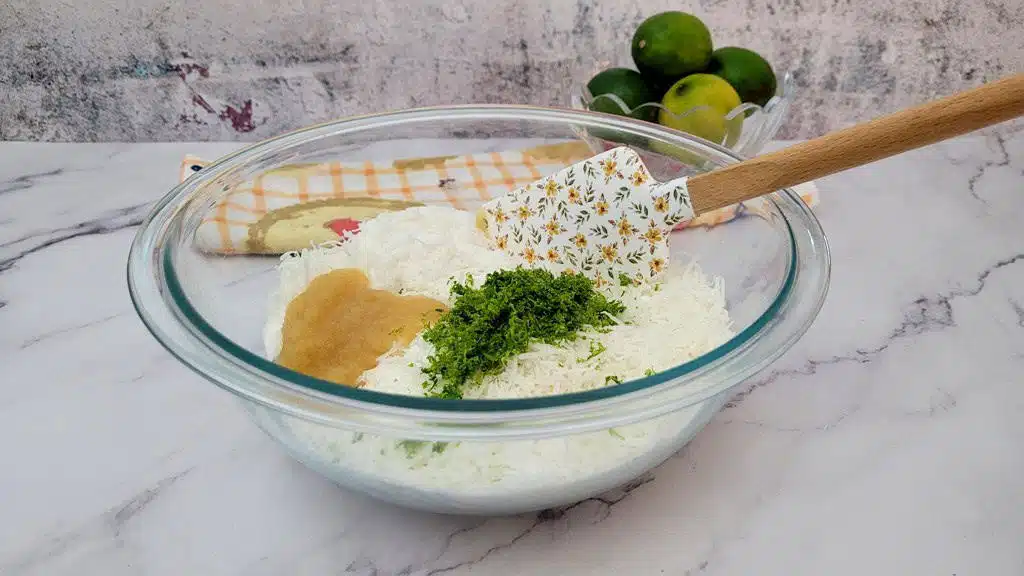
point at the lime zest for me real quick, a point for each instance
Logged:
(487, 326)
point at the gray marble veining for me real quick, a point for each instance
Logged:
(886, 441)
(149, 70)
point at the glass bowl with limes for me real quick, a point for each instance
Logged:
(744, 129)
(730, 96)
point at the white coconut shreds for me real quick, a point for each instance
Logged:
(418, 251)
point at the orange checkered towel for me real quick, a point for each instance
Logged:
(296, 206)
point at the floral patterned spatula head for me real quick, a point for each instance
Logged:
(605, 217)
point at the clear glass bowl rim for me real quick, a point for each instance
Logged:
(164, 308)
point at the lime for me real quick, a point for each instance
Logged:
(748, 73)
(629, 87)
(670, 45)
(698, 104)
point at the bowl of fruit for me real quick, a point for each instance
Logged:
(730, 95)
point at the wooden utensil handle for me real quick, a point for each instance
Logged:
(861, 144)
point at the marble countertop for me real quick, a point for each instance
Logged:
(886, 442)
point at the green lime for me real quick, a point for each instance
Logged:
(697, 104)
(670, 45)
(630, 87)
(747, 72)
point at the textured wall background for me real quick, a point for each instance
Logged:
(203, 70)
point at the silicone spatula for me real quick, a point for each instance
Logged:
(606, 217)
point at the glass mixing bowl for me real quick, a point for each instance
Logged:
(474, 456)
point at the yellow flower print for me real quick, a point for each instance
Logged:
(601, 207)
(574, 195)
(661, 204)
(609, 252)
(656, 265)
(653, 234)
(599, 281)
(530, 255)
(638, 177)
(551, 188)
(626, 229)
(568, 272)
(524, 213)
(553, 255)
(609, 168)
(554, 227)
(580, 240)
(501, 242)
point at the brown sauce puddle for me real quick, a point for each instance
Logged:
(338, 326)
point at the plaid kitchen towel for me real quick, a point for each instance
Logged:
(295, 206)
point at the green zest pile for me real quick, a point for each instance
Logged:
(487, 326)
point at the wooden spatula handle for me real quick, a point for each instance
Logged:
(861, 144)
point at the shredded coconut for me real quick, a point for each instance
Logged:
(418, 251)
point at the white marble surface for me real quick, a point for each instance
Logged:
(888, 441)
